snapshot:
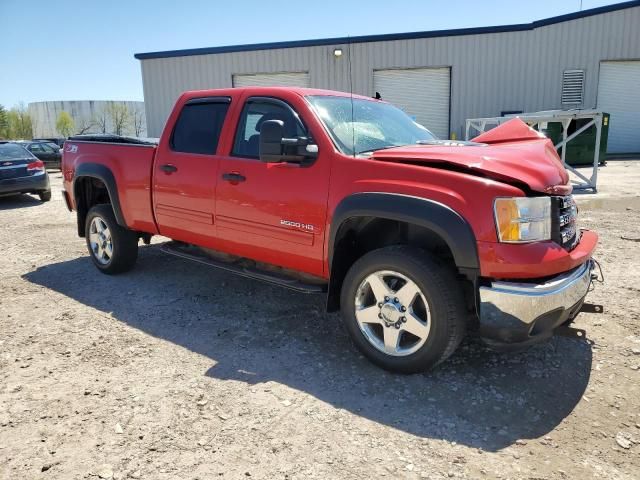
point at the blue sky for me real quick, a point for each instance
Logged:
(83, 49)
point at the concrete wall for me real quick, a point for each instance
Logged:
(85, 114)
(490, 73)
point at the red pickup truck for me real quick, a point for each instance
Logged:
(414, 239)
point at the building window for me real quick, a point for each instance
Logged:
(573, 87)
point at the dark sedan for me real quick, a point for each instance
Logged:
(22, 172)
(55, 140)
(48, 152)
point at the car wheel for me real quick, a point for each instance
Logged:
(45, 195)
(405, 311)
(113, 249)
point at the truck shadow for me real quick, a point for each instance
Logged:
(256, 333)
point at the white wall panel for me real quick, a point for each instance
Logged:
(423, 93)
(619, 95)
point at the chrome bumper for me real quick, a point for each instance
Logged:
(516, 313)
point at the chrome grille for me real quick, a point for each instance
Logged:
(564, 226)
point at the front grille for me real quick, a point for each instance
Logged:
(564, 222)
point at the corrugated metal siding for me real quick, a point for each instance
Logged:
(290, 79)
(490, 73)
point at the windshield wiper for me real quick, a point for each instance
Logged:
(456, 143)
(381, 148)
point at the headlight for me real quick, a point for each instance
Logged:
(522, 219)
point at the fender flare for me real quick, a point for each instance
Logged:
(442, 220)
(104, 174)
(437, 217)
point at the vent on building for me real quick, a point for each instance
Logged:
(572, 87)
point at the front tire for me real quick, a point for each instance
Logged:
(404, 310)
(112, 248)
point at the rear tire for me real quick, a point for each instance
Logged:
(112, 248)
(45, 195)
(400, 329)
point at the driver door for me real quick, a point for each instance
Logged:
(272, 212)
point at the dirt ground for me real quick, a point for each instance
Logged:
(178, 371)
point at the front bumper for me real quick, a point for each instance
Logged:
(30, 184)
(519, 314)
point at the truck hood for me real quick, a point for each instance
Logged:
(512, 152)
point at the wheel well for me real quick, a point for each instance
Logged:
(88, 191)
(360, 235)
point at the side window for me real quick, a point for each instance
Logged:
(35, 148)
(47, 148)
(198, 127)
(254, 114)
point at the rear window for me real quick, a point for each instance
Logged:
(11, 151)
(198, 127)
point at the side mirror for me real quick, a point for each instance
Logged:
(271, 134)
(275, 148)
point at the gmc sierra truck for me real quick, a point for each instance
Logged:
(414, 239)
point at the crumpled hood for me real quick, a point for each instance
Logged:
(512, 151)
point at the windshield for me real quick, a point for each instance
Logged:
(374, 125)
(11, 151)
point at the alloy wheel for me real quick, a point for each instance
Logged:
(392, 313)
(100, 240)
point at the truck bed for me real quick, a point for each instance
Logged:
(124, 165)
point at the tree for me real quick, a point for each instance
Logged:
(139, 121)
(85, 125)
(4, 123)
(101, 120)
(120, 117)
(20, 126)
(64, 124)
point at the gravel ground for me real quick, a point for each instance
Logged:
(178, 371)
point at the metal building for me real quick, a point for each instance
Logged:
(588, 59)
(89, 116)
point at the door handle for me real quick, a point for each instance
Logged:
(168, 168)
(233, 177)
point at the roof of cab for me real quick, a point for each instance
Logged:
(267, 91)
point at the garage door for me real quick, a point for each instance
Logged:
(423, 93)
(297, 79)
(619, 95)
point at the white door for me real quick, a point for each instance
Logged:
(619, 95)
(289, 79)
(423, 93)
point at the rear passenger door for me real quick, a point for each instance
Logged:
(185, 172)
(50, 156)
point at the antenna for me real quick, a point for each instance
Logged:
(353, 123)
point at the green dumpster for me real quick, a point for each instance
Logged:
(580, 150)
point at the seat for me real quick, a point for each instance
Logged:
(251, 147)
